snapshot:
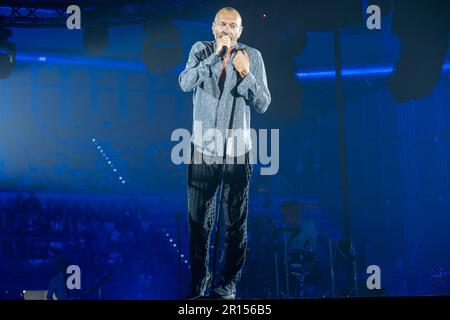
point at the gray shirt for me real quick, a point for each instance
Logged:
(305, 239)
(212, 109)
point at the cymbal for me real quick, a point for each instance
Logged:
(293, 206)
(262, 217)
(284, 229)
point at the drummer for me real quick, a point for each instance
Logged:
(303, 234)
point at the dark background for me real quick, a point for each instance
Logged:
(70, 104)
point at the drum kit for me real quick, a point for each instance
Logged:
(301, 261)
(301, 267)
(300, 273)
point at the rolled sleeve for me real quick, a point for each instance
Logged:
(247, 84)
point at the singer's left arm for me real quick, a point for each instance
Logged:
(253, 87)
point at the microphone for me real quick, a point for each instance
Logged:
(223, 51)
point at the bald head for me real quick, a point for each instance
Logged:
(227, 22)
(230, 12)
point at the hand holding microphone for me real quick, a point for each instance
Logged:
(222, 45)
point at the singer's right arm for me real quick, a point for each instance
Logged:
(197, 70)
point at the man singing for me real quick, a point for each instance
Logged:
(227, 78)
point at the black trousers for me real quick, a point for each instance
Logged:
(203, 182)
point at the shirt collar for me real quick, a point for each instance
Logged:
(239, 46)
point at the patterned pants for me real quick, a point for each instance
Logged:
(203, 182)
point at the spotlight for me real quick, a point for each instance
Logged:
(95, 39)
(161, 49)
(7, 53)
(5, 34)
(279, 47)
(423, 46)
